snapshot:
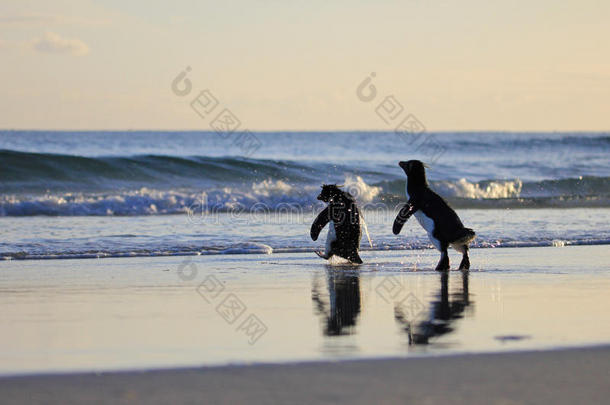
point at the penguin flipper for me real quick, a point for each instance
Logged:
(320, 222)
(403, 215)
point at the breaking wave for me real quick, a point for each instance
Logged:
(36, 172)
(485, 189)
(65, 185)
(273, 195)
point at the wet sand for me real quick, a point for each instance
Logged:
(552, 377)
(130, 313)
(330, 325)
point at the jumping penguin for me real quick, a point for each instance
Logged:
(434, 215)
(344, 231)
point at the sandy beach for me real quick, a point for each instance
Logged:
(545, 377)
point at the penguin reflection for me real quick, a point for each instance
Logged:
(443, 313)
(340, 311)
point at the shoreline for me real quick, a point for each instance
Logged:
(263, 249)
(572, 375)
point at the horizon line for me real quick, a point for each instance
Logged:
(443, 131)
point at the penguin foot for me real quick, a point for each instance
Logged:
(443, 264)
(465, 264)
(355, 259)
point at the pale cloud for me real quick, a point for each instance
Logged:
(54, 43)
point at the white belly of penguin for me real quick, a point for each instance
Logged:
(332, 236)
(426, 222)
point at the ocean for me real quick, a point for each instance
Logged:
(75, 194)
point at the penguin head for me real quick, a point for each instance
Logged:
(329, 192)
(414, 169)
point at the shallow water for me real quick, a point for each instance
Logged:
(223, 233)
(125, 313)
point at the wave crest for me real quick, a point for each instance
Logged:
(484, 189)
(357, 187)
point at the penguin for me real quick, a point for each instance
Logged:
(434, 215)
(343, 217)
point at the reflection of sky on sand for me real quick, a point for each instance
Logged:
(130, 313)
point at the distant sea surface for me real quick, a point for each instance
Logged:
(125, 193)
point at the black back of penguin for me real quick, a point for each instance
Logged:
(344, 213)
(447, 225)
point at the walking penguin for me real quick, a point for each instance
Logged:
(434, 215)
(343, 217)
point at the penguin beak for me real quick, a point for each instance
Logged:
(403, 165)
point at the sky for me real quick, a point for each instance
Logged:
(466, 65)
